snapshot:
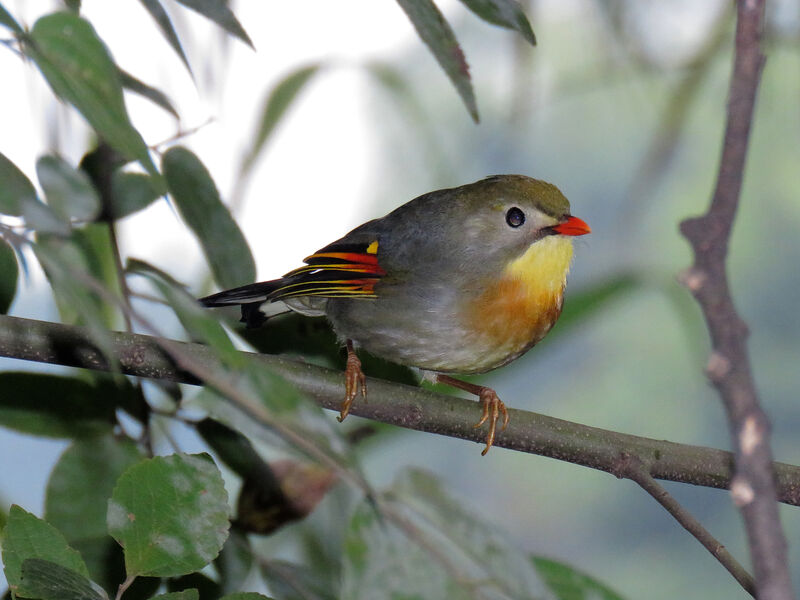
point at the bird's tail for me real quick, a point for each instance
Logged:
(247, 294)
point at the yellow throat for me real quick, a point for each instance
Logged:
(515, 313)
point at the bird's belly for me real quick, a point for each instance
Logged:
(476, 336)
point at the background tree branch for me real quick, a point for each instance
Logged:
(396, 404)
(753, 486)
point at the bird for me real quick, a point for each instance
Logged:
(461, 280)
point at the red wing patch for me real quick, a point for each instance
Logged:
(337, 271)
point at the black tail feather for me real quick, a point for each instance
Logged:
(252, 293)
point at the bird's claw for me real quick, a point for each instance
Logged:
(354, 379)
(493, 407)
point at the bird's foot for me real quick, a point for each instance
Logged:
(354, 379)
(493, 407)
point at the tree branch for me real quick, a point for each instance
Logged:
(397, 404)
(630, 467)
(753, 486)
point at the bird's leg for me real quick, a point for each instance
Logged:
(353, 379)
(493, 407)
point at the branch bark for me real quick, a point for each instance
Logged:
(397, 404)
(753, 486)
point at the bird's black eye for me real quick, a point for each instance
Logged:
(515, 217)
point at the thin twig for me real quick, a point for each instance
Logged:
(632, 468)
(753, 486)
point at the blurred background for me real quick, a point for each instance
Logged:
(621, 105)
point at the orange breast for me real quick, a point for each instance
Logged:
(510, 317)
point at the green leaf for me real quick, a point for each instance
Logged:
(26, 537)
(170, 514)
(9, 275)
(154, 95)
(218, 11)
(278, 101)
(69, 192)
(95, 245)
(132, 192)
(9, 21)
(568, 583)
(79, 69)
(16, 190)
(381, 563)
(71, 266)
(233, 449)
(472, 543)
(76, 500)
(203, 584)
(198, 321)
(183, 595)
(161, 18)
(290, 581)
(505, 13)
(46, 580)
(234, 561)
(245, 596)
(199, 204)
(53, 406)
(440, 39)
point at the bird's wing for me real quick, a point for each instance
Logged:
(343, 269)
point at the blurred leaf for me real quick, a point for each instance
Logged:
(104, 558)
(245, 596)
(218, 11)
(153, 94)
(278, 101)
(198, 321)
(161, 18)
(79, 69)
(69, 191)
(570, 584)
(9, 275)
(76, 500)
(586, 302)
(64, 263)
(234, 561)
(184, 595)
(381, 563)
(9, 21)
(472, 543)
(70, 265)
(53, 406)
(46, 580)
(292, 491)
(132, 192)
(505, 13)
(289, 581)
(233, 449)
(18, 198)
(439, 37)
(199, 203)
(95, 245)
(170, 514)
(16, 190)
(26, 537)
(205, 587)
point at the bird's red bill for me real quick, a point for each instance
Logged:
(572, 226)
